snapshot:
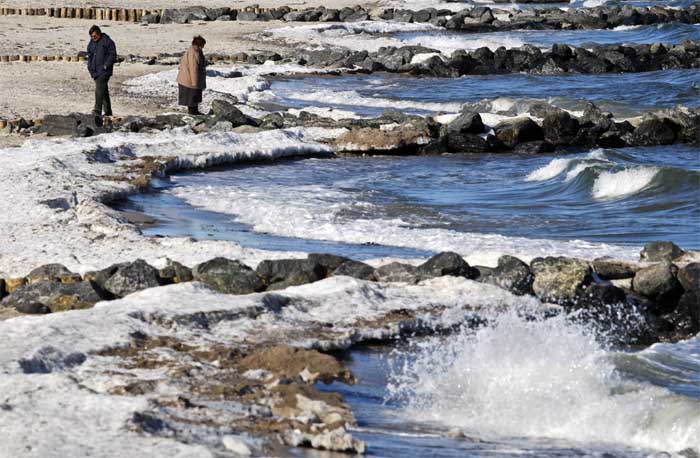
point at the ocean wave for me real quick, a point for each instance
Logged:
(354, 98)
(616, 185)
(545, 378)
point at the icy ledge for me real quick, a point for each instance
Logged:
(184, 371)
(54, 192)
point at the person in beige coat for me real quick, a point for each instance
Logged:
(192, 76)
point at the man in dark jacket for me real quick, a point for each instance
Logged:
(102, 54)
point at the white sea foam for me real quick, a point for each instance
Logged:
(540, 378)
(353, 98)
(554, 168)
(316, 212)
(616, 185)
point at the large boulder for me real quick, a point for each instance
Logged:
(518, 130)
(559, 280)
(184, 15)
(131, 277)
(51, 296)
(329, 262)
(281, 273)
(175, 272)
(404, 138)
(223, 110)
(511, 274)
(660, 251)
(447, 263)
(52, 272)
(689, 276)
(468, 122)
(356, 269)
(398, 272)
(560, 128)
(684, 321)
(599, 294)
(73, 124)
(228, 276)
(660, 284)
(610, 269)
(654, 132)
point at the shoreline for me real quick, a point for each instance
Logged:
(170, 346)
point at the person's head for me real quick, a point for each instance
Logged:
(199, 41)
(95, 33)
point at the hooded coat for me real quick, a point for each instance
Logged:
(101, 56)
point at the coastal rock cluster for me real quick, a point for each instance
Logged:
(664, 289)
(397, 133)
(561, 58)
(477, 19)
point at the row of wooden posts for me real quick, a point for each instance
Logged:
(22, 58)
(100, 14)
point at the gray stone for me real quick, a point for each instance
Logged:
(52, 272)
(228, 276)
(175, 272)
(151, 18)
(132, 277)
(610, 269)
(560, 128)
(518, 130)
(660, 251)
(689, 276)
(446, 263)
(226, 111)
(398, 272)
(654, 132)
(559, 280)
(599, 294)
(659, 283)
(330, 262)
(50, 296)
(468, 122)
(511, 274)
(356, 269)
(281, 273)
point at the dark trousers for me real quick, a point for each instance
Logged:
(102, 96)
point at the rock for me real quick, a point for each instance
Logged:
(609, 269)
(660, 251)
(559, 280)
(151, 18)
(403, 138)
(689, 276)
(228, 276)
(600, 294)
(446, 263)
(281, 273)
(518, 130)
(74, 124)
(659, 283)
(248, 16)
(50, 296)
(329, 262)
(356, 269)
(215, 13)
(560, 128)
(468, 122)
(226, 111)
(398, 272)
(654, 132)
(594, 115)
(511, 274)
(338, 440)
(684, 321)
(538, 147)
(290, 363)
(184, 15)
(131, 277)
(174, 272)
(52, 272)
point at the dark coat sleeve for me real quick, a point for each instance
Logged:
(110, 56)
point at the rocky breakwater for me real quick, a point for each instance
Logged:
(662, 291)
(476, 19)
(546, 128)
(560, 58)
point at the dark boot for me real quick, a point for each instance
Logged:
(193, 110)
